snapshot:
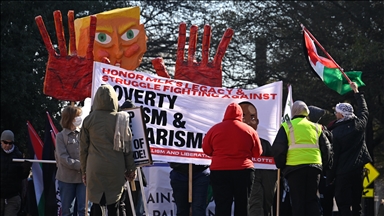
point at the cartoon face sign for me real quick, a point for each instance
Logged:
(120, 38)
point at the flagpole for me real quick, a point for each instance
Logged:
(326, 53)
(33, 161)
(278, 194)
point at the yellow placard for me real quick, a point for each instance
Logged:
(370, 174)
(368, 192)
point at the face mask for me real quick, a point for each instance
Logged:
(77, 121)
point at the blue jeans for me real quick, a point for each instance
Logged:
(179, 184)
(139, 207)
(68, 193)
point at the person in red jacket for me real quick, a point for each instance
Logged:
(232, 144)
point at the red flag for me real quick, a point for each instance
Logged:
(36, 142)
(38, 184)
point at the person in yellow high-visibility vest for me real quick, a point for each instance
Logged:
(301, 149)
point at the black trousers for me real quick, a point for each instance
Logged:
(101, 209)
(230, 186)
(348, 192)
(303, 185)
(328, 192)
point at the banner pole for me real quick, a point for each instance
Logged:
(130, 198)
(278, 193)
(133, 185)
(190, 184)
(86, 200)
(143, 197)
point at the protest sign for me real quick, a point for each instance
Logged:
(177, 113)
(140, 145)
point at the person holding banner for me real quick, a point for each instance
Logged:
(301, 150)
(264, 184)
(350, 154)
(232, 144)
(106, 152)
(326, 191)
(179, 183)
(137, 194)
(68, 162)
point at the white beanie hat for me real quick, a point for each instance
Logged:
(345, 109)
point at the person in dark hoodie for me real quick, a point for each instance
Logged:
(350, 154)
(301, 150)
(232, 144)
(106, 152)
(326, 191)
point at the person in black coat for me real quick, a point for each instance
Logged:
(12, 174)
(350, 154)
(136, 194)
(264, 183)
(326, 192)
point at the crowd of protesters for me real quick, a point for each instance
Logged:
(99, 156)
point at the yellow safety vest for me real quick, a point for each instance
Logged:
(303, 142)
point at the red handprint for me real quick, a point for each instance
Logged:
(68, 77)
(204, 72)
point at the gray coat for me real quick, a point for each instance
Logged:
(104, 167)
(67, 156)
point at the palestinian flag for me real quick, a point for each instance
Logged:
(37, 170)
(49, 170)
(327, 70)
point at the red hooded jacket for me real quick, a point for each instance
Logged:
(232, 143)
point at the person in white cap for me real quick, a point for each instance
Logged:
(350, 154)
(12, 174)
(301, 150)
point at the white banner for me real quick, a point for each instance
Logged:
(159, 192)
(179, 113)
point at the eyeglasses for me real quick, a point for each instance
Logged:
(6, 142)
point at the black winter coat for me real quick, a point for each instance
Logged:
(314, 116)
(12, 173)
(349, 148)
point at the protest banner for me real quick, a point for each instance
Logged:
(159, 195)
(177, 113)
